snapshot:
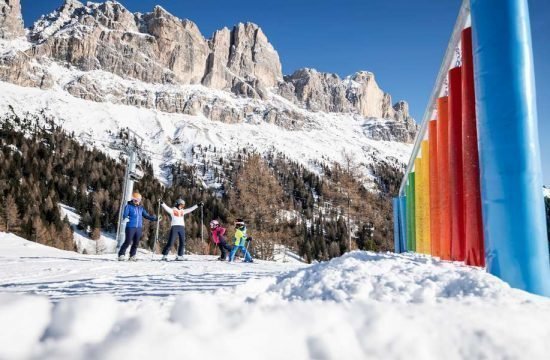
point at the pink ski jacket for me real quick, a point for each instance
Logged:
(217, 234)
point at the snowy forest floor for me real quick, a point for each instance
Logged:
(62, 305)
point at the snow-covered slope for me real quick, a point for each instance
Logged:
(362, 305)
(171, 137)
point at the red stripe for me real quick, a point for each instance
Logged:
(473, 224)
(443, 177)
(434, 191)
(455, 162)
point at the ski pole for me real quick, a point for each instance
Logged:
(246, 250)
(157, 232)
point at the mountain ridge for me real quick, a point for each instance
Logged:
(157, 48)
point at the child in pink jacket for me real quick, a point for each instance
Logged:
(218, 233)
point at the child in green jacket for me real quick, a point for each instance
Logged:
(240, 241)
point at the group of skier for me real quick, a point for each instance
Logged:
(134, 212)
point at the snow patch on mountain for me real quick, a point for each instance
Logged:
(172, 137)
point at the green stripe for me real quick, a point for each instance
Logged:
(411, 239)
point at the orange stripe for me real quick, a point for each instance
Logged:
(434, 193)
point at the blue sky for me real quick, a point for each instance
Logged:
(401, 41)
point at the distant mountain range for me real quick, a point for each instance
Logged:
(98, 68)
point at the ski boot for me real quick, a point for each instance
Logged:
(132, 258)
(179, 258)
(121, 258)
(164, 258)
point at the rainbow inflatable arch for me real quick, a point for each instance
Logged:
(472, 190)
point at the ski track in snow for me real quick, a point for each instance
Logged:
(129, 287)
(65, 274)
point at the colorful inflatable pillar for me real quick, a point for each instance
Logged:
(426, 197)
(408, 224)
(516, 243)
(413, 211)
(434, 187)
(411, 217)
(473, 224)
(418, 201)
(396, 227)
(403, 223)
(443, 178)
(455, 164)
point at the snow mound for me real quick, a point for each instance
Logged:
(13, 246)
(406, 278)
(360, 306)
(102, 328)
(23, 320)
(69, 323)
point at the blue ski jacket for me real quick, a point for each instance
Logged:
(135, 215)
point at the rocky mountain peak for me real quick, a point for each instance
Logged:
(11, 21)
(159, 49)
(358, 93)
(113, 15)
(71, 4)
(362, 76)
(252, 56)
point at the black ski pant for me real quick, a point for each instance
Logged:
(133, 235)
(179, 232)
(223, 247)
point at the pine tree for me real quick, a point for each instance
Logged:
(96, 227)
(66, 237)
(11, 214)
(40, 231)
(258, 198)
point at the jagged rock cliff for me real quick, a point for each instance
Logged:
(158, 61)
(11, 23)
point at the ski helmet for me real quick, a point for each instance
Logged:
(136, 197)
(214, 224)
(180, 202)
(239, 224)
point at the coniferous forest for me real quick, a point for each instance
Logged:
(43, 166)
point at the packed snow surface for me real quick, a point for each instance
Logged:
(63, 305)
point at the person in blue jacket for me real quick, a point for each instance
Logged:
(134, 213)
